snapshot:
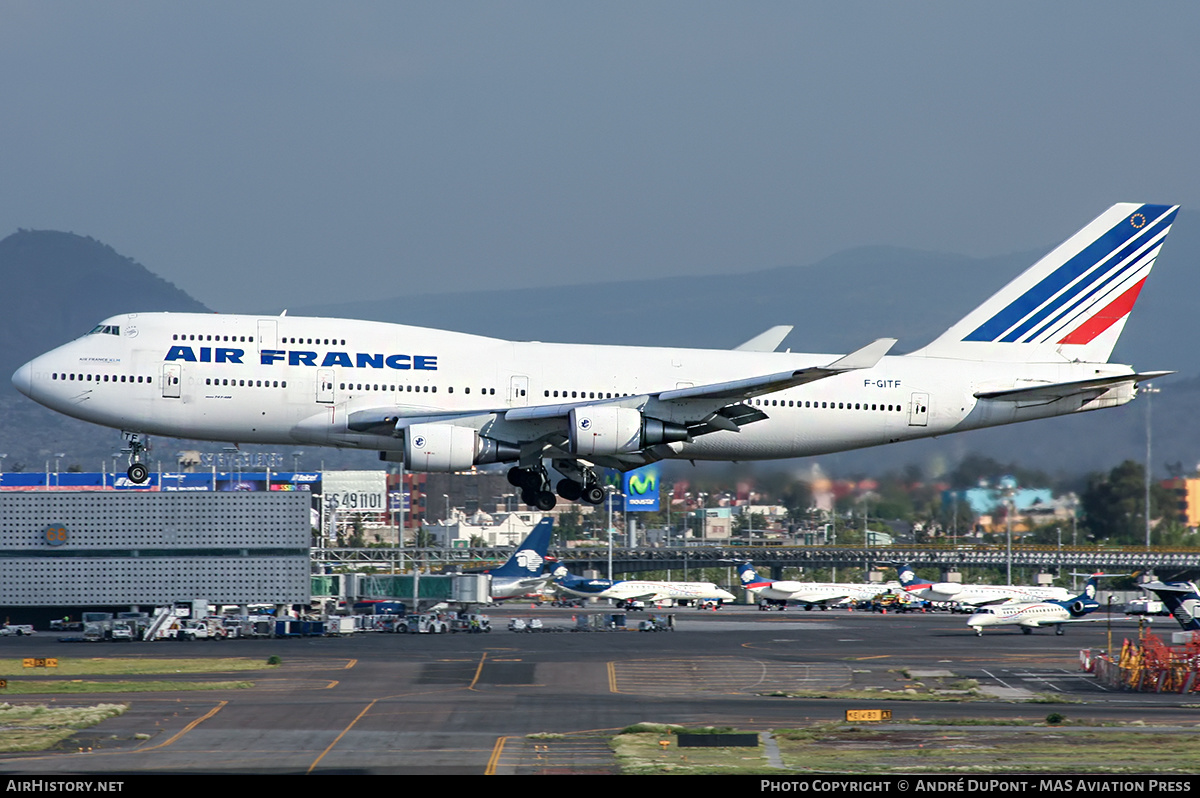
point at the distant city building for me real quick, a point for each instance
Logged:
(506, 529)
(1187, 494)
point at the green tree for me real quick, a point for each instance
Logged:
(1114, 504)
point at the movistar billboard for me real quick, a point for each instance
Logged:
(641, 490)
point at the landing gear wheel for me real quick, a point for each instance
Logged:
(138, 473)
(1025, 630)
(593, 494)
(1058, 630)
(545, 501)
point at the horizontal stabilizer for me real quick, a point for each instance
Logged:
(1060, 390)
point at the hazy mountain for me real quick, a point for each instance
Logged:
(836, 304)
(58, 285)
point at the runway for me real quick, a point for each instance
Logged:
(463, 704)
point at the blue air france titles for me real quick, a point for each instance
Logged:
(300, 357)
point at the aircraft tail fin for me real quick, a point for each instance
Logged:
(1182, 599)
(1073, 303)
(527, 560)
(1085, 602)
(750, 578)
(909, 579)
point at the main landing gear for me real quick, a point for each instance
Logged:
(581, 484)
(137, 472)
(534, 483)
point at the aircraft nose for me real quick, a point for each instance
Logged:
(22, 379)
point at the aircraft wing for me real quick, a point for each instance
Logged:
(1049, 392)
(646, 597)
(702, 408)
(1040, 622)
(767, 341)
(990, 601)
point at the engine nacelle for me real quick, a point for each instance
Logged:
(446, 447)
(618, 430)
(947, 588)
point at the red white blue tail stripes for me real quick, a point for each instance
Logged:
(1074, 300)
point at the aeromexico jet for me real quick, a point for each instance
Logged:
(447, 401)
(976, 595)
(624, 591)
(521, 574)
(779, 592)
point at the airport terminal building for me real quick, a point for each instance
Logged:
(65, 550)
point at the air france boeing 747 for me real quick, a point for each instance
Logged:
(447, 401)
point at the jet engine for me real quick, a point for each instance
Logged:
(618, 430)
(1077, 608)
(446, 447)
(947, 588)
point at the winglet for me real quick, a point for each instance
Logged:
(864, 358)
(767, 341)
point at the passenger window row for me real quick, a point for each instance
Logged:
(230, 338)
(97, 377)
(246, 383)
(829, 405)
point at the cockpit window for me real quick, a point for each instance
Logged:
(106, 329)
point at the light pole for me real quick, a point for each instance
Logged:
(612, 491)
(58, 456)
(1149, 391)
(1009, 492)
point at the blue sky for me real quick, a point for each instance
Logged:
(272, 154)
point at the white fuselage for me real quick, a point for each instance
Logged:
(817, 592)
(642, 590)
(988, 594)
(1027, 614)
(288, 380)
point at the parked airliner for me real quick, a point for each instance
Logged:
(976, 595)
(521, 574)
(777, 592)
(447, 401)
(637, 590)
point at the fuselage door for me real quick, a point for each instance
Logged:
(518, 391)
(918, 411)
(325, 386)
(172, 377)
(268, 334)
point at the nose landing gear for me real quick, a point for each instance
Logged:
(137, 472)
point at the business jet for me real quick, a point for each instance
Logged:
(1181, 598)
(447, 401)
(778, 592)
(521, 574)
(637, 590)
(1031, 615)
(976, 595)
